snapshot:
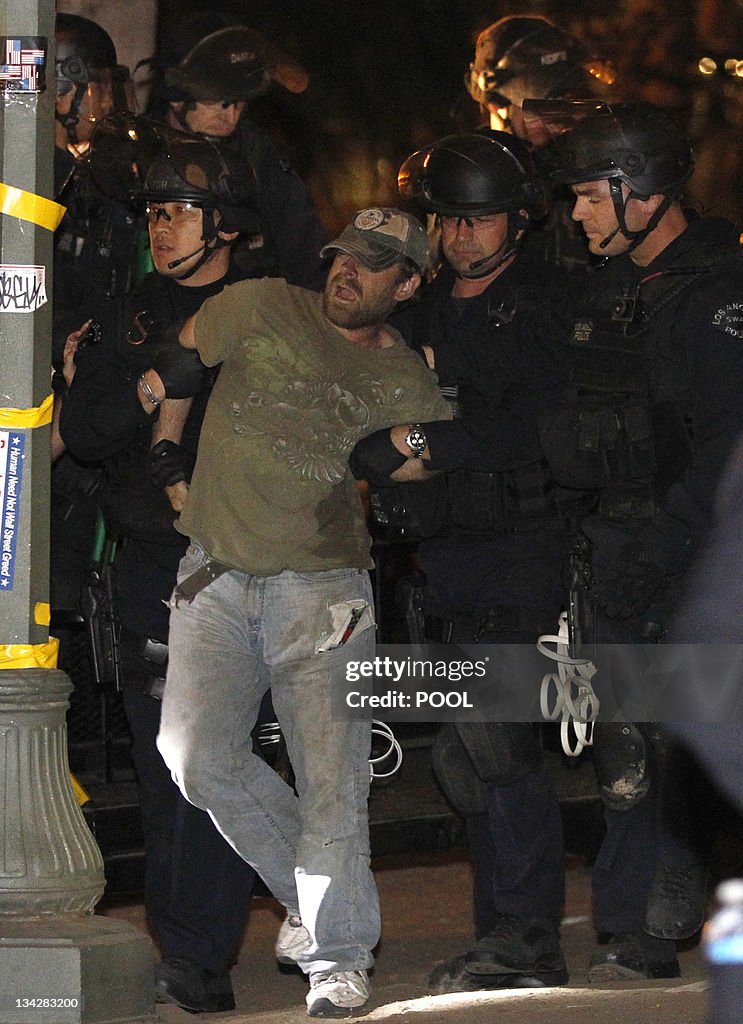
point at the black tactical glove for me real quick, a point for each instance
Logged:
(627, 586)
(375, 459)
(168, 464)
(181, 371)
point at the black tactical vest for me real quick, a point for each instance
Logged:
(626, 428)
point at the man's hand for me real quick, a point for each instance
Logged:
(627, 586)
(70, 351)
(177, 495)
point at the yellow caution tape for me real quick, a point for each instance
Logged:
(80, 795)
(14, 656)
(14, 202)
(42, 613)
(23, 419)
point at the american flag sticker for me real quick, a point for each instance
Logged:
(22, 63)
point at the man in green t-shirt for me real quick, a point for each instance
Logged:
(274, 590)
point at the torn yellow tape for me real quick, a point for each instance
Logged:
(80, 795)
(42, 613)
(14, 202)
(15, 656)
(24, 419)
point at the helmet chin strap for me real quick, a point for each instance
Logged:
(620, 209)
(70, 120)
(212, 242)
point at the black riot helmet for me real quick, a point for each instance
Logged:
(637, 143)
(196, 171)
(518, 58)
(86, 63)
(634, 144)
(208, 58)
(474, 174)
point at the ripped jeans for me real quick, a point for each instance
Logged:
(239, 637)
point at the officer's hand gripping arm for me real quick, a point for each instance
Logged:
(384, 458)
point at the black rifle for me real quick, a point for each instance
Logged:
(101, 623)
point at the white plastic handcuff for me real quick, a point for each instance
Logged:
(576, 705)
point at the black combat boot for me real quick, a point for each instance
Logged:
(192, 987)
(633, 956)
(522, 952)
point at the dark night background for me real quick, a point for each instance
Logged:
(386, 77)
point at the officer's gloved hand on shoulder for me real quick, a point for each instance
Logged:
(181, 371)
(629, 583)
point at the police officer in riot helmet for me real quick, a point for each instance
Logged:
(196, 200)
(210, 68)
(90, 81)
(527, 57)
(518, 58)
(656, 373)
(94, 250)
(495, 529)
(212, 189)
(94, 245)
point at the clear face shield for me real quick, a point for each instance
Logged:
(511, 82)
(85, 96)
(549, 126)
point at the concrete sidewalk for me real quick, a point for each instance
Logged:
(426, 915)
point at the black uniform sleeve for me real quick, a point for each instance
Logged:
(500, 404)
(506, 439)
(101, 411)
(710, 331)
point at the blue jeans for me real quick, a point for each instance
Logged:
(239, 637)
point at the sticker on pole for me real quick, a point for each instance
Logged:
(22, 63)
(11, 470)
(22, 289)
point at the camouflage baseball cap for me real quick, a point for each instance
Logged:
(382, 236)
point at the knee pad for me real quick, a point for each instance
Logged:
(621, 758)
(455, 773)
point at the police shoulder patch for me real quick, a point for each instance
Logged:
(729, 319)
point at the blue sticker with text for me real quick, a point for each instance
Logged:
(12, 446)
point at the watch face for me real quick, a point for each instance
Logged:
(416, 441)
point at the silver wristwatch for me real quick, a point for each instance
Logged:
(416, 440)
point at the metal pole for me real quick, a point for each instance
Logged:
(58, 963)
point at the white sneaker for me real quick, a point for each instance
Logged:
(336, 994)
(293, 940)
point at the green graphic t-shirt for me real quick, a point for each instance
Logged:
(272, 489)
